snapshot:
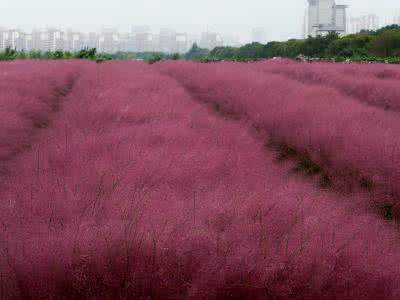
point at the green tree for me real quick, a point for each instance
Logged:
(388, 27)
(251, 51)
(386, 44)
(57, 55)
(175, 56)
(155, 58)
(223, 53)
(350, 45)
(8, 54)
(274, 49)
(196, 52)
(68, 55)
(21, 55)
(87, 53)
(293, 48)
(35, 54)
(317, 46)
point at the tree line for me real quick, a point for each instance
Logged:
(380, 45)
(87, 53)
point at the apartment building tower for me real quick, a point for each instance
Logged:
(324, 16)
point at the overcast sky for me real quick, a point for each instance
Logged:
(281, 19)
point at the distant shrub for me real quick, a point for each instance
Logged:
(87, 53)
(175, 56)
(154, 59)
(57, 54)
(35, 54)
(8, 54)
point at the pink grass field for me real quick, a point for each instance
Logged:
(123, 180)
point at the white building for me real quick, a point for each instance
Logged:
(210, 40)
(109, 40)
(396, 18)
(52, 39)
(143, 40)
(259, 35)
(3, 38)
(366, 22)
(324, 16)
(92, 40)
(181, 43)
(12, 38)
(75, 40)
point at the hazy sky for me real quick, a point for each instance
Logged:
(281, 19)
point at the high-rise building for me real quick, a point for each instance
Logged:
(167, 40)
(366, 22)
(35, 42)
(44, 44)
(75, 40)
(305, 24)
(170, 41)
(124, 42)
(12, 38)
(1, 38)
(193, 38)
(181, 43)
(142, 40)
(92, 40)
(341, 19)
(4, 38)
(52, 39)
(109, 40)
(324, 16)
(396, 19)
(210, 40)
(259, 35)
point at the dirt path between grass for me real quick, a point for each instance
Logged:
(37, 123)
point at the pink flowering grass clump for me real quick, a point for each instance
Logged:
(30, 93)
(381, 71)
(363, 84)
(342, 136)
(149, 184)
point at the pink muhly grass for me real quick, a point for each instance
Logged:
(30, 93)
(137, 191)
(381, 71)
(337, 133)
(380, 90)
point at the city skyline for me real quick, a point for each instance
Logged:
(281, 20)
(110, 40)
(321, 16)
(144, 39)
